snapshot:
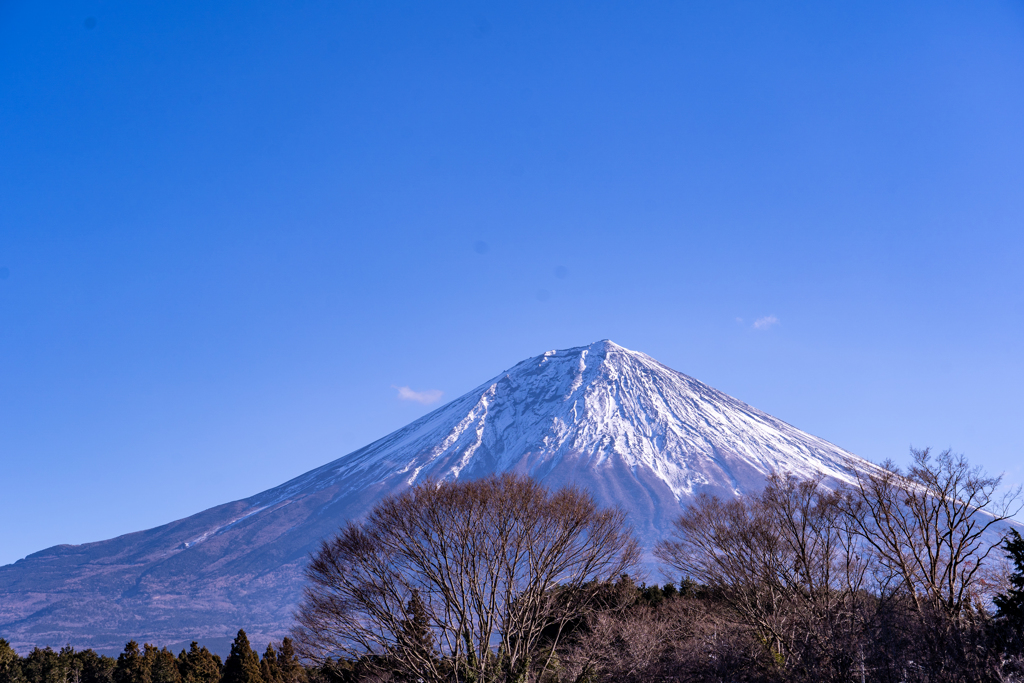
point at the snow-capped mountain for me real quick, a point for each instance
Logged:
(633, 431)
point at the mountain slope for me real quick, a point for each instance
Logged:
(636, 433)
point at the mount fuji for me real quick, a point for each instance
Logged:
(634, 432)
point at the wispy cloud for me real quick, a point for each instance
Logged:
(425, 397)
(765, 322)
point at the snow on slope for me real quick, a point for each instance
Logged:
(596, 403)
(633, 432)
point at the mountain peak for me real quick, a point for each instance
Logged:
(635, 433)
(592, 408)
(607, 345)
(602, 347)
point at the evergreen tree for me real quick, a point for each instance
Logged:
(132, 666)
(68, 667)
(243, 664)
(414, 650)
(163, 666)
(39, 666)
(149, 654)
(1011, 604)
(268, 667)
(288, 663)
(10, 664)
(416, 635)
(199, 665)
(96, 668)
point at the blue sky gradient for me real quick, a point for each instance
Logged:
(230, 232)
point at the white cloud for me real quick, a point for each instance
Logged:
(765, 322)
(425, 397)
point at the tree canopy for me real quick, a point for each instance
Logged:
(462, 576)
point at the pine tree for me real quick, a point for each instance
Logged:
(243, 664)
(416, 635)
(69, 666)
(268, 666)
(96, 668)
(288, 663)
(10, 664)
(132, 666)
(163, 666)
(415, 646)
(199, 665)
(149, 655)
(1011, 604)
(39, 666)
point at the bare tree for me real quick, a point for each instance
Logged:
(729, 547)
(785, 562)
(679, 638)
(883, 577)
(459, 580)
(932, 528)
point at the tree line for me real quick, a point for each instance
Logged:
(898, 576)
(150, 664)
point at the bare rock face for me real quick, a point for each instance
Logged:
(635, 433)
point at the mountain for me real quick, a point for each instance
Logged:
(633, 431)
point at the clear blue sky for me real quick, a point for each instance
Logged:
(229, 230)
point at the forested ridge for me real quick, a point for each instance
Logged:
(672, 632)
(150, 664)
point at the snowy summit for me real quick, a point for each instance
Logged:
(634, 432)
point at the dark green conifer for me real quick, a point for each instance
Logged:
(68, 667)
(416, 636)
(268, 666)
(651, 595)
(10, 664)
(149, 653)
(288, 663)
(96, 668)
(132, 666)
(243, 664)
(39, 666)
(1011, 603)
(199, 665)
(163, 666)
